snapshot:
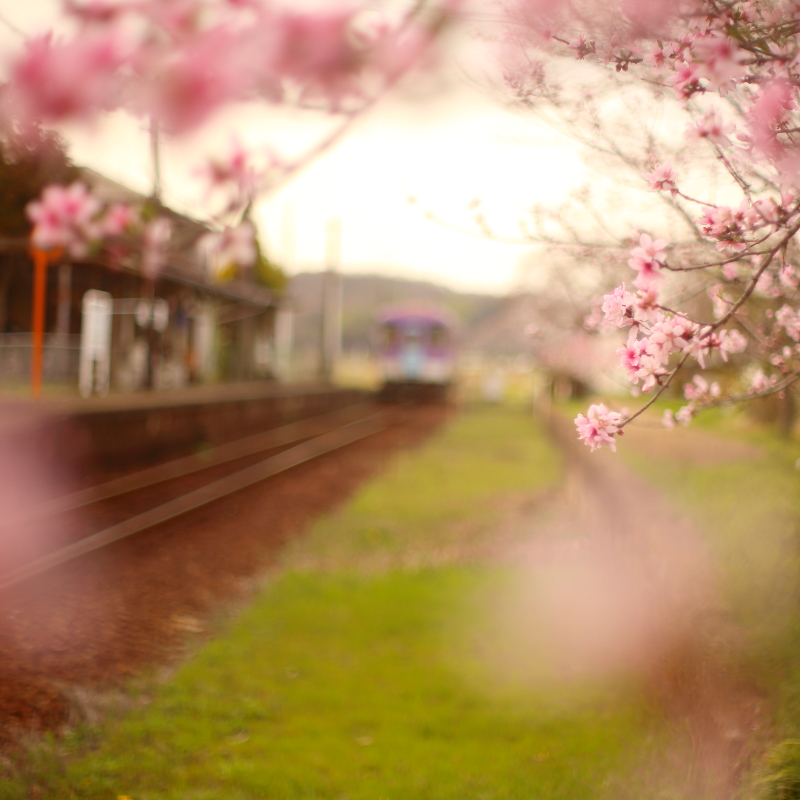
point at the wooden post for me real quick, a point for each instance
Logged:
(40, 260)
(39, 291)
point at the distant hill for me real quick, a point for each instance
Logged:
(364, 295)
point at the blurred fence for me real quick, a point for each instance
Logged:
(60, 358)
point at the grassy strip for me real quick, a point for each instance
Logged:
(750, 508)
(442, 503)
(345, 678)
(334, 687)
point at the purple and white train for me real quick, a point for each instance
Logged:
(417, 353)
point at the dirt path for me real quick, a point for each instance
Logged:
(637, 595)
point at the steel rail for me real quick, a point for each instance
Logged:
(230, 451)
(216, 490)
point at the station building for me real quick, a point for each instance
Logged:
(209, 331)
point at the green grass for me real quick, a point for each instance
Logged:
(347, 681)
(439, 502)
(334, 687)
(749, 508)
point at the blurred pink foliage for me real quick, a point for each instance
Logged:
(65, 217)
(178, 62)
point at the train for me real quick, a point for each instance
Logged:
(417, 354)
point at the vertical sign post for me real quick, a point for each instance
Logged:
(40, 260)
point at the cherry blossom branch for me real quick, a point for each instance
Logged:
(754, 281)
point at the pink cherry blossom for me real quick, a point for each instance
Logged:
(318, 50)
(618, 307)
(685, 81)
(669, 335)
(646, 305)
(647, 259)
(712, 128)
(581, 47)
(631, 355)
(640, 363)
(662, 179)
(599, 426)
(236, 168)
(720, 60)
(54, 80)
(787, 276)
(744, 51)
(730, 270)
(184, 85)
(789, 318)
(65, 217)
(766, 285)
(702, 344)
(760, 383)
(229, 250)
(731, 341)
(117, 219)
(700, 389)
(650, 371)
(728, 225)
(767, 112)
(660, 54)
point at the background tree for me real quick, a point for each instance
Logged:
(27, 164)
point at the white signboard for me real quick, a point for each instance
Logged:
(95, 361)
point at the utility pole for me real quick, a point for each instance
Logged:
(150, 282)
(155, 159)
(284, 316)
(331, 339)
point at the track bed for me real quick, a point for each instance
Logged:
(102, 616)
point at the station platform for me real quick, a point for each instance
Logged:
(124, 429)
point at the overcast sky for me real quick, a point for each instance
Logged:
(447, 146)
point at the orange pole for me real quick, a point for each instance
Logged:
(39, 286)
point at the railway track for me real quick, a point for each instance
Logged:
(130, 567)
(213, 474)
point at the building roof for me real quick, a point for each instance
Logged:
(185, 265)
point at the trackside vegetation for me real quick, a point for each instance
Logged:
(747, 500)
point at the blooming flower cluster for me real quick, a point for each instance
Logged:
(647, 259)
(663, 179)
(599, 426)
(746, 260)
(72, 218)
(229, 250)
(181, 60)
